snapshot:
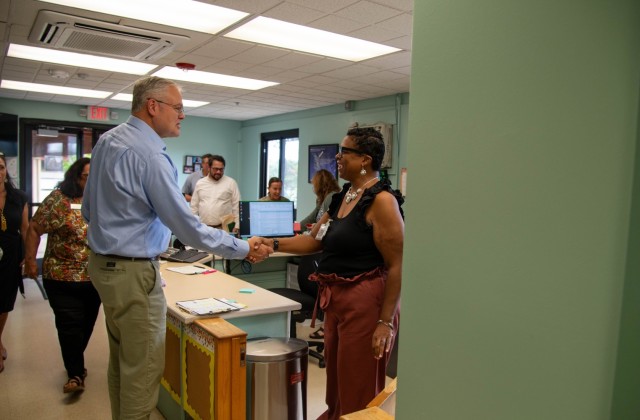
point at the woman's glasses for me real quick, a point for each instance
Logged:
(342, 150)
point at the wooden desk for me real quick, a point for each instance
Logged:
(267, 314)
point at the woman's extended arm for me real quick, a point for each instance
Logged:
(301, 244)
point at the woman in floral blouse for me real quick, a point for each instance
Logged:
(72, 297)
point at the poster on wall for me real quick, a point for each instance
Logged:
(192, 164)
(323, 156)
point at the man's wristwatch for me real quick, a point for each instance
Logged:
(276, 245)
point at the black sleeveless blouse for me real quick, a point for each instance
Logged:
(348, 246)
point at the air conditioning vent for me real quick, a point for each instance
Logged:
(89, 36)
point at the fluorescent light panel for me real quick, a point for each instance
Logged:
(195, 76)
(56, 90)
(79, 60)
(185, 14)
(187, 103)
(274, 32)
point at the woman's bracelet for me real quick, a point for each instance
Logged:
(388, 324)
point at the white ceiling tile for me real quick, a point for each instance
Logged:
(260, 54)
(338, 24)
(306, 80)
(368, 12)
(402, 23)
(293, 13)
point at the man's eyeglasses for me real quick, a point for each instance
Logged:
(179, 108)
(212, 169)
(342, 150)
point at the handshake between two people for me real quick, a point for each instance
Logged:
(258, 249)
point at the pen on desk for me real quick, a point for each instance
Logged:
(209, 271)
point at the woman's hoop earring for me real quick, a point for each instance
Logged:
(363, 171)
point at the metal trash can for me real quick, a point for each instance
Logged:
(277, 379)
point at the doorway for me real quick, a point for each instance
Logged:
(48, 149)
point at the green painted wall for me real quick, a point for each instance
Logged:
(523, 131)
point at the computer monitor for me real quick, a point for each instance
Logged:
(266, 218)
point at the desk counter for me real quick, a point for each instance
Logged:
(220, 285)
(205, 373)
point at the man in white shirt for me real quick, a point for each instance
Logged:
(216, 196)
(190, 184)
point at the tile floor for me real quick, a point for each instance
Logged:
(32, 381)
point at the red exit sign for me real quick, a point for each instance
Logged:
(97, 113)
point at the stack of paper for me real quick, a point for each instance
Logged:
(208, 306)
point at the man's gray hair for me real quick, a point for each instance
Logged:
(149, 87)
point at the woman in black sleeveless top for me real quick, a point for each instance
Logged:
(13, 229)
(359, 274)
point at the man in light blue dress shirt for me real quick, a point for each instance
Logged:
(132, 203)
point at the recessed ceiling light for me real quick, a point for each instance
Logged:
(187, 14)
(196, 76)
(56, 90)
(78, 60)
(187, 103)
(263, 30)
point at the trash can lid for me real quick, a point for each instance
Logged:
(275, 349)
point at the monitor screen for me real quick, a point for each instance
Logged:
(266, 218)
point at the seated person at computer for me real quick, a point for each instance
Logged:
(216, 196)
(190, 184)
(325, 186)
(274, 191)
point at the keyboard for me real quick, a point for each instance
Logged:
(184, 255)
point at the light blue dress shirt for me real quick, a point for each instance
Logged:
(132, 201)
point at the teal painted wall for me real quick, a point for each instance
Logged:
(199, 135)
(322, 126)
(239, 142)
(523, 131)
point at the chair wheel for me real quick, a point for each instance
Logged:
(322, 364)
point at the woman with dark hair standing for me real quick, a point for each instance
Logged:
(14, 220)
(359, 273)
(74, 300)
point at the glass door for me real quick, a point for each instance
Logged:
(50, 148)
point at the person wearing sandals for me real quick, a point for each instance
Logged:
(359, 274)
(13, 230)
(74, 300)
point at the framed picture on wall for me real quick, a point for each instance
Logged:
(192, 164)
(323, 156)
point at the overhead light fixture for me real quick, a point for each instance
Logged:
(55, 90)
(263, 30)
(78, 60)
(186, 14)
(187, 103)
(206, 78)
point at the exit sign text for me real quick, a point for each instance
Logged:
(97, 113)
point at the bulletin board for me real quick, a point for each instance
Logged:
(192, 164)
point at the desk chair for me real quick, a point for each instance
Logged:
(306, 297)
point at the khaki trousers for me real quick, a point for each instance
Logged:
(135, 312)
